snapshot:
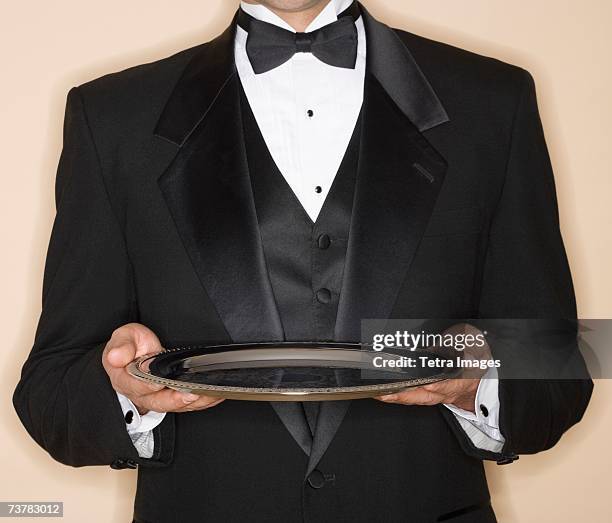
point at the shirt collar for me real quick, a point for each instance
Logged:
(328, 15)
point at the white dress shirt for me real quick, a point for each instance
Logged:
(306, 111)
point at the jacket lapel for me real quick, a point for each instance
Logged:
(392, 64)
(208, 192)
(398, 180)
(399, 177)
(331, 414)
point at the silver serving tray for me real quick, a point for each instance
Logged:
(300, 371)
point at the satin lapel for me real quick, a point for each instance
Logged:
(392, 64)
(398, 180)
(208, 193)
(399, 177)
(330, 417)
(292, 416)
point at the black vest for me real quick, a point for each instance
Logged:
(305, 260)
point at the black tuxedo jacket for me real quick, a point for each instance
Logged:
(454, 217)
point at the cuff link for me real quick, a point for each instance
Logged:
(120, 464)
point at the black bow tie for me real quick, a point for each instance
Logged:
(269, 46)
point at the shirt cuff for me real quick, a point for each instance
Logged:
(482, 425)
(136, 423)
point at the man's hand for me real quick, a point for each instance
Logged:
(458, 392)
(132, 341)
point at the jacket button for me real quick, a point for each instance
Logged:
(120, 464)
(506, 460)
(323, 241)
(316, 479)
(323, 296)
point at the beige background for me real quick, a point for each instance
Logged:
(47, 47)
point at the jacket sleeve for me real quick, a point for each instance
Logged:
(64, 397)
(526, 276)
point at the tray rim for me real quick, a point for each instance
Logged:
(278, 394)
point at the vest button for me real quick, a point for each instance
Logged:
(323, 296)
(316, 479)
(323, 241)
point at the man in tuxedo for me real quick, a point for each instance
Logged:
(308, 168)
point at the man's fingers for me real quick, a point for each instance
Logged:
(145, 339)
(130, 342)
(416, 396)
(128, 385)
(440, 387)
(119, 357)
(202, 403)
(168, 400)
(459, 392)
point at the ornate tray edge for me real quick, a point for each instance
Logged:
(278, 394)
